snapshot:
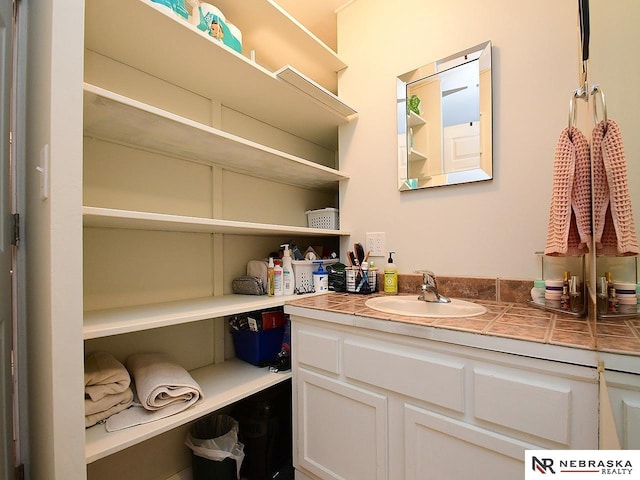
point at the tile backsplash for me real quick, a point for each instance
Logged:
(493, 289)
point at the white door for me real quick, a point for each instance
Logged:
(461, 147)
(6, 250)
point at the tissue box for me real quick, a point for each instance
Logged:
(258, 348)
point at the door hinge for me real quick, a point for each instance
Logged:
(15, 219)
(19, 472)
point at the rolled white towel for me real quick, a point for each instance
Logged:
(163, 388)
(161, 382)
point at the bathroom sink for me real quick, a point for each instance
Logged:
(411, 306)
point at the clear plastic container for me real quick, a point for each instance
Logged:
(537, 292)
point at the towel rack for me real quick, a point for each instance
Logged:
(595, 89)
(573, 108)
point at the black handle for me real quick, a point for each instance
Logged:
(583, 8)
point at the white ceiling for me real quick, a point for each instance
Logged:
(317, 15)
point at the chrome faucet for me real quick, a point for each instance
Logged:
(430, 288)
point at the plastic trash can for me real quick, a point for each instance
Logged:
(265, 431)
(216, 452)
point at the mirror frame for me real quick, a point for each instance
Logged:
(481, 53)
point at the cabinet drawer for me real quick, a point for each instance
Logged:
(318, 350)
(433, 380)
(525, 406)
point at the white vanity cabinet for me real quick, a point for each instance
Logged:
(370, 404)
(624, 397)
(173, 162)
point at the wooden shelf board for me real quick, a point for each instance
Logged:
(113, 117)
(135, 33)
(414, 119)
(222, 385)
(115, 321)
(135, 220)
(275, 35)
(415, 155)
(292, 76)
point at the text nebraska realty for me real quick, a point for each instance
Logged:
(605, 467)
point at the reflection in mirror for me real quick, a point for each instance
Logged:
(445, 121)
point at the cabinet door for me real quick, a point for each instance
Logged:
(624, 395)
(341, 430)
(441, 448)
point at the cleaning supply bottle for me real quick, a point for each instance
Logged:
(277, 279)
(288, 279)
(320, 279)
(270, 267)
(390, 277)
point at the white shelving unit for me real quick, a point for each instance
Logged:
(291, 89)
(414, 120)
(416, 123)
(285, 38)
(102, 323)
(113, 117)
(114, 218)
(152, 38)
(222, 384)
(415, 155)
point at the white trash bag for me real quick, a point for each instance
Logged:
(216, 438)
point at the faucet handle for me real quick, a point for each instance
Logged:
(428, 277)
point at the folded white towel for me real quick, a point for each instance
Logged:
(96, 411)
(104, 375)
(163, 388)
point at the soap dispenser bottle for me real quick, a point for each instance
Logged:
(288, 279)
(390, 277)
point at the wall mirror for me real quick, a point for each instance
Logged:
(445, 121)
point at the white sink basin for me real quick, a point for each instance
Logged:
(411, 306)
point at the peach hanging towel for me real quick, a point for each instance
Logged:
(569, 231)
(614, 228)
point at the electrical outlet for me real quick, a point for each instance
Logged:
(375, 244)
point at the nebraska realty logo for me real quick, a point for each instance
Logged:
(581, 464)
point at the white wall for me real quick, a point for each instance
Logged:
(488, 229)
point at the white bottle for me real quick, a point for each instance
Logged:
(320, 279)
(277, 279)
(288, 279)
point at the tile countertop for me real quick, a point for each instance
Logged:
(510, 327)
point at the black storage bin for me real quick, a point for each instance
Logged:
(213, 427)
(265, 431)
(205, 469)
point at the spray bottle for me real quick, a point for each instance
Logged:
(288, 278)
